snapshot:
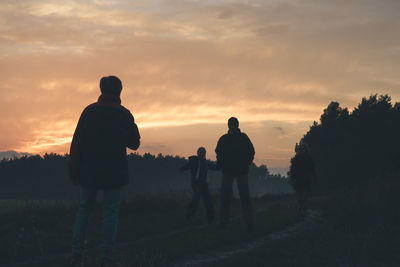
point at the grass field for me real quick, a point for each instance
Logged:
(42, 229)
(356, 228)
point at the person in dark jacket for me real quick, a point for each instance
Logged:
(235, 153)
(98, 162)
(199, 166)
(302, 176)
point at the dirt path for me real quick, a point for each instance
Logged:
(208, 258)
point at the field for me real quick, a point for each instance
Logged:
(352, 228)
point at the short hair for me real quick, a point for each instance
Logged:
(233, 122)
(201, 150)
(111, 85)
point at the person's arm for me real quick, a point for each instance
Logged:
(213, 166)
(133, 136)
(185, 167)
(250, 149)
(218, 151)
(75, 152)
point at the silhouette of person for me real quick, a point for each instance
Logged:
(199, 166)
(302, 176)
(98, 162)
(235, 153)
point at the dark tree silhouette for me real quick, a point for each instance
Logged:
(36, 177)
(352, 148)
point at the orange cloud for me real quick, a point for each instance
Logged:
(190, 65)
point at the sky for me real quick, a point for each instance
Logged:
(187, 66)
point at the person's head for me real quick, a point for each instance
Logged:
(111, 85)
(233, 123)
(201, 152)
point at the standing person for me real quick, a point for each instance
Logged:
(199, 166)
(235, 153)
(98, 162)
(302, 176)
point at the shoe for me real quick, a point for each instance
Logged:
(108, 263)
(76, 260)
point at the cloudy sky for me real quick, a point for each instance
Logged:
(187, 66)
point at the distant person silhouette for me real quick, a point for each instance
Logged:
(302, 176)
(98, 161)
(235, 153)
(199, 166)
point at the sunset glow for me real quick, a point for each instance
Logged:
(187, 66)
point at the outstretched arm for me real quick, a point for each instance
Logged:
(213, 166)
(185, 167)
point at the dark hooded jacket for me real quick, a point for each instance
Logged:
(235, 152)
(98, 157)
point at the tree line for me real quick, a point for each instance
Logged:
(46, 177)
(357, 147)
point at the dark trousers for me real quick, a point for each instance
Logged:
(244, 194)
(112, 200)
(303, 199)
(200, 190)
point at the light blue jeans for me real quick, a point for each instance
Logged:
(112, 201)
